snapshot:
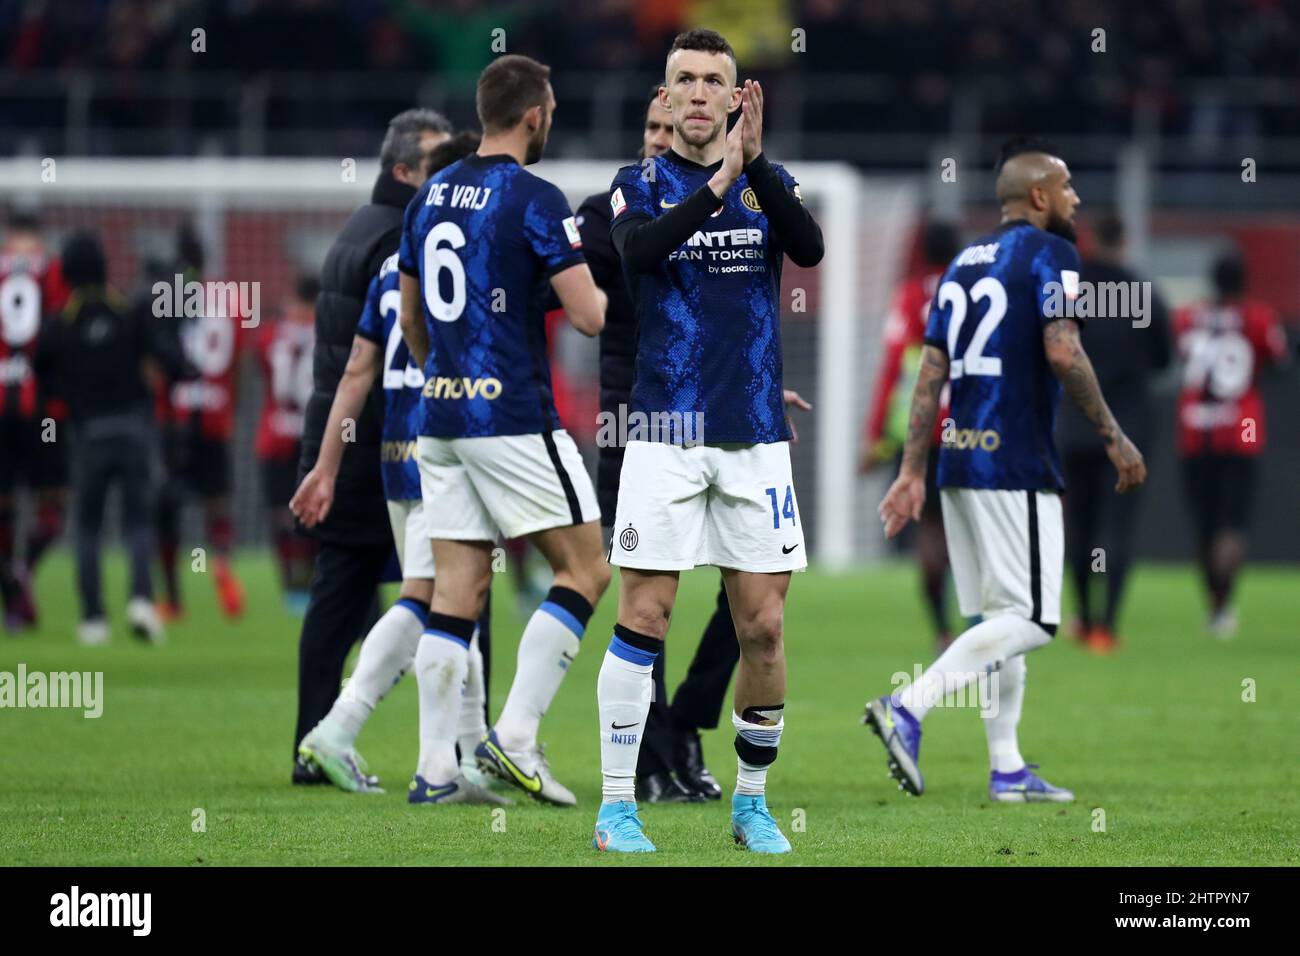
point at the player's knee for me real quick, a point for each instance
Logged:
(761, 634)
(646, 617)
(588, 578)
(464, 597)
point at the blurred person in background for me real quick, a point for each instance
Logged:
(106, 359)
(196, 416)
(1125, 359)
(284, 350)
(356, 543)
(31, 286)
(904, 338)
(1223, 345)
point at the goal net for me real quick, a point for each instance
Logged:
(268, 221)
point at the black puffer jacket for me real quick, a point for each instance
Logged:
(359, 515)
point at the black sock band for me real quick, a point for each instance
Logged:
(458, 627)
(753, 754)
(641, 642)
(571, 601)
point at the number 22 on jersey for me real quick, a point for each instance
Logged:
(973, 361)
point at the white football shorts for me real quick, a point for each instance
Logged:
(730, 506)
(414, 552)
(1007, 551)
(512, 485)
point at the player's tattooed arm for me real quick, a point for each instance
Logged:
(1071, 364)
(925, 408)
(411, 317)
(906, 496)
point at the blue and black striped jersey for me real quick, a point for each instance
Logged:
(988, 315)
(483, 237)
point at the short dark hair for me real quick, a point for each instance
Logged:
(940, 243)
(707, 41)
(306, 288)
(508, 88)
(1229, 275)
(654, 96)
(1109, 230)
(405, 130)
(1018, 145)
(453, 150)
(82, 259)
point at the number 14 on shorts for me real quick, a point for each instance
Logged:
(785, 510)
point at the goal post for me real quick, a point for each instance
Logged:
(266, 220)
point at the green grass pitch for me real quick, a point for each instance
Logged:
(1157, 738)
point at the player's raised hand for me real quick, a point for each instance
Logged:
(902, 503)
(1128, 461)
(751, 108)
(313, 499)
(733, 160)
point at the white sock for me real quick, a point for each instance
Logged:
(440, 667)
(386, 654)
(751, 779)
(1000, 725)
(987, 644)
(623, 692)
(472, 727)
(550, 643)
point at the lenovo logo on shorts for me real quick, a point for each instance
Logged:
(462, 387)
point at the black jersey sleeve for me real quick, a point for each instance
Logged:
(789, 221)
(643, 242)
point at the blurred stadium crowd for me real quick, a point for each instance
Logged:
(1208, 68)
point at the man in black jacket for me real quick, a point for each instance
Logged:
(1125, 356)
(355, 541)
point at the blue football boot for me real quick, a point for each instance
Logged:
(1025, 786)
(900, 732)
(619, 830)
(753, 827)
